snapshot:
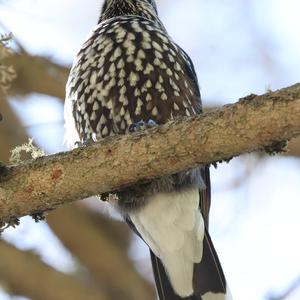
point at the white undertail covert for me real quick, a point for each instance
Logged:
(172, 226)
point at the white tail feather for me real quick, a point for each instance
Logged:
(172, 226)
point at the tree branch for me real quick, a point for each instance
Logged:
(37, 74)
(114, 163)
(106, 261)
(12, 132)
(294, 147)
(24, 274)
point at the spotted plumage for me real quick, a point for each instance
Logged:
(130, 72)
(127, 70)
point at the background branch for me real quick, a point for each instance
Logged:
(106, 261)
(37, 74)
(248, 125)
(79, 230)
(24, 274)
(11, 130)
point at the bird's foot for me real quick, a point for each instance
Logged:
(276, 148)
(141, 125)
(83, 143)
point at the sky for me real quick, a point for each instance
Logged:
(238, 48)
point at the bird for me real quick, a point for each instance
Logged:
(130, 75)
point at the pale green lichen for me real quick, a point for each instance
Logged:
(34, 151)
(15, 158)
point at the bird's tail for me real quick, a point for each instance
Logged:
(208, 280)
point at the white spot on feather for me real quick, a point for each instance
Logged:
(148, 97)
(157, 46)
(121, 32)
(146, 45)
(149, 69)
(164, 96)
(93, 78)
(130, 36)
(121, 64)
(136, 27)
(96, 105)
(176, 107)
(148, 83)
(102, 120)
(137, 92)
(141, 54)
(122, 111)
(138, 64)
(104, 131)
(158, 54)
(154, 111)
(109, 104)
(116, 54)
(123, 90)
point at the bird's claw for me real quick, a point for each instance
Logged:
(141, 125)
(83, 143)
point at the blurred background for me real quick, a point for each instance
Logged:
(238, 47)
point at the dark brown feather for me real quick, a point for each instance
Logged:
(130, 70)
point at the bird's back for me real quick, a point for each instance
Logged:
(130, 70)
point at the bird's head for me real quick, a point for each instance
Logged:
(115, 8)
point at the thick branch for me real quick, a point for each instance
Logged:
(95, 230)
(106, 260)
(37, 75)
(294, 147)
(113, 163)
(24, 274)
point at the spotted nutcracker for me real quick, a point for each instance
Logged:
(127, 76)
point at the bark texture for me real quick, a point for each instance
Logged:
(38, 74)
(114, 163)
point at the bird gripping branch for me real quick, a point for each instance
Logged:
(130, 75)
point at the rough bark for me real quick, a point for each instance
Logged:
(38, 74)
(83, 234)
(24, 274)
(294, 147)
(248, 125)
